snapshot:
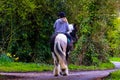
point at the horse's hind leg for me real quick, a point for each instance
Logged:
(56, 70)
(64, 67)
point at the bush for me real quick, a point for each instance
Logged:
(5, 58)
(114, 76)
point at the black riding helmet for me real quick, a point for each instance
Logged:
(61, 14)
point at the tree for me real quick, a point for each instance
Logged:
(95, 20)
(28, 26)
(113, 37)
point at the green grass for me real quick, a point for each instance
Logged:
(114, 76)
(35, 67)
(102, 66)
(115, 59)
(24, 67)
(7, 65)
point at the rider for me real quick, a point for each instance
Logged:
(61, 26)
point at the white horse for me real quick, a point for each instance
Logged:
(61, 51)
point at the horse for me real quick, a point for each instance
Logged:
(61, 51)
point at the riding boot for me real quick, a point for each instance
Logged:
(70, 45)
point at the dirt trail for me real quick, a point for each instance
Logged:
(74, 75)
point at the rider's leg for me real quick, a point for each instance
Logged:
(70, 43)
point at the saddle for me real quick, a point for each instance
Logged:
(69, 41)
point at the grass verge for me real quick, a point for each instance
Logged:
(114, 76)
(102, 66)
(24, 67)
(35, 67)
(115, 59)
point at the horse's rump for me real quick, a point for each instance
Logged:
(52, 40)
(60, 43)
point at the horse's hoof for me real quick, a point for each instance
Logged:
(60, 73)
(64, 74)
(56, 75)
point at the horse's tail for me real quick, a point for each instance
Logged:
(59, 49)
(60, 54)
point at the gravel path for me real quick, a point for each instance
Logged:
(74, 75)
(117, 64)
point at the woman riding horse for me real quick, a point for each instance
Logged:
(60, 44)
(61, 26)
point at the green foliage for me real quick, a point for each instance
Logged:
(28, 24)
(114, 76)
(114, 38)
(5, 59)
(95, 19)
(115, 59)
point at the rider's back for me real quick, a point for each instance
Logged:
(60, 26)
